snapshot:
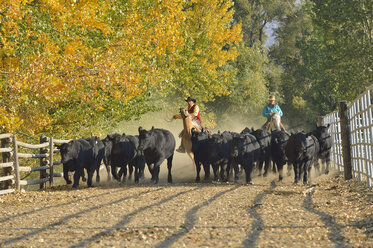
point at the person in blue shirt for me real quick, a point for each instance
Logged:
(269, 109)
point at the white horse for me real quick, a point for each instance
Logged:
(275, 122)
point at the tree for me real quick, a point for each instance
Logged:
(82, 66)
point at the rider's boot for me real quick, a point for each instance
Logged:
(181, 148)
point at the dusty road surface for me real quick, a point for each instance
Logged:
(333, 213)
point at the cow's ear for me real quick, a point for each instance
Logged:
(140, 129)
(123, 134)
(152, 128)
(58, 146)
(292, 133)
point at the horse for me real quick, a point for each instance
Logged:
(274, 123)
(186, 134)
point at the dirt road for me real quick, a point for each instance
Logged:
(334, 213)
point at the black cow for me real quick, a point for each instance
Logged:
(99, 148)
(157, 145)
(264, 139)
(245, 150)
(326, 143)
(108, 142)
(219, 148)
(278, 143)
(81, 154)
(200, 151)
(137, 163)
(302, 150)
(122, 153)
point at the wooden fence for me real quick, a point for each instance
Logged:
(359, 143)
(12, 161)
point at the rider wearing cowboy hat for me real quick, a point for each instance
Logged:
(194, 112)
(193, 109)
(268, 111)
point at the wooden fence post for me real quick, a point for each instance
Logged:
(43, 173)
(346, 139)
(16, 164)
(51, 162)
(6, 158)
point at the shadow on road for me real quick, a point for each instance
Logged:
(191, 219)
(127, 218)
(335, 230)
(66, 218)
(258, 223)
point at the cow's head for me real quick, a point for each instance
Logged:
(236, 144)
(69, 151)
(322, 132)
(144, 138)
(301, 142)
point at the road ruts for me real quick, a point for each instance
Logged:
(266, 214)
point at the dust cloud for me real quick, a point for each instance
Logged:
(183, 169)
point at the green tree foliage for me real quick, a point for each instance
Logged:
(325, 51)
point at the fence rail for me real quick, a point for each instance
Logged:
(11, 168)
(360, 130)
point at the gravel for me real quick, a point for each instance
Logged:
(330, 213)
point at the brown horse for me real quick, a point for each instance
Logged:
(186, 134)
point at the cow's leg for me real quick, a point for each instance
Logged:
(317, 167)
(215, 169)
(223, 169)
(66, 174)
(296, 175)
(90, 172)
(142, 169)
(198, 169)
(280, 167)
(98, 174)
(274, 166)
(77, 175)
(248, 169)
(151, 170)
(137, 174)
(130, 171)
(83, 176)
(327, 162)
(156, 173)
(267, 162)
(206, 168)
(169, 167)
(307, 172)
(114, 172)
(236, 171)
(122, 174)
(260, 167)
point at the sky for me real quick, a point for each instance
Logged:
(269, 29)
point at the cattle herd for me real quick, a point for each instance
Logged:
(227, 153)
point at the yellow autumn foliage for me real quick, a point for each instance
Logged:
(66, 66)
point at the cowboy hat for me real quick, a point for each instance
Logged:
(272, 98)
(191, 99)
